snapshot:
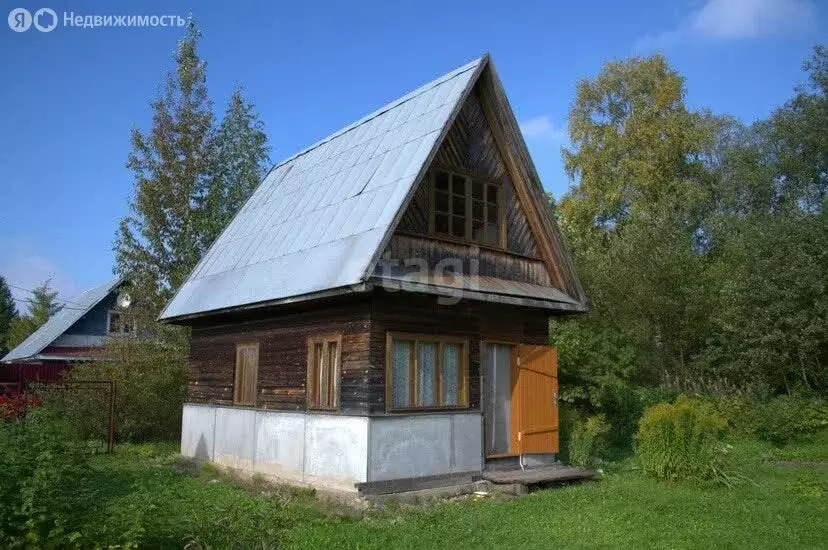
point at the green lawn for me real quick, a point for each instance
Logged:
(143, 494)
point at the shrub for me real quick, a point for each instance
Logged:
(15, 405)
(568, 417)
(681, 441)
(621, 406)
(40, 470)
(151, 387)
(588, 442)
(788, 419)
(781, 420)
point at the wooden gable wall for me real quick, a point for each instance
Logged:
(470, 147)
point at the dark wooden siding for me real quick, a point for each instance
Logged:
(282, 339)
(470, 147)
(282, 342)
(478, 321)
(475, 261)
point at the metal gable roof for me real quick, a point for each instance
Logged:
(61, 321)
(317, 219)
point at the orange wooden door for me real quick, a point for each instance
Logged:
(535, 403)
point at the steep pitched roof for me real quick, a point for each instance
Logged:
(61, 321)
(320, 219)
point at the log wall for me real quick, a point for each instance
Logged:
(283, 355)
(282, 337)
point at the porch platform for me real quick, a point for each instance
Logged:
(539, 475)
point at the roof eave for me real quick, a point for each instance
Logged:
(358, 288)
(481, 296)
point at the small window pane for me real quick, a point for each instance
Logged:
(477, 190)
(491, 193)
(491, 233)
(458, 185)
(441, 180)
(477, 210)
(441, 202)
(477, 230)
(492, 211)
(400, 374)
(427, 373)
(458, 226)
(451, 375)
(441, 223)
(459, 204)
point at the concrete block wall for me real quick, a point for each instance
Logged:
(327, 451)
(424, 445)
(333, 451)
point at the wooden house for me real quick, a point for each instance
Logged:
(72, 336)
(378, 310)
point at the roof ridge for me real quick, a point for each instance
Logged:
(387, 107)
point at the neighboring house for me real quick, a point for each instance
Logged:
(378, 309)
(72, 335)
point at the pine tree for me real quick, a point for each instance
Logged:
(158, 244)
(238, 161)
(42, 304)
(8, 312)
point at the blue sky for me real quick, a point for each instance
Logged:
(70, 96)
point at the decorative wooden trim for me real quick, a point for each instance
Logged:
(414, 389)
(335, 388)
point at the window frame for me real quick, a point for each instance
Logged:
(237, 397)
(124, 322)
(413, 378)
(325, 340)
(469, 198)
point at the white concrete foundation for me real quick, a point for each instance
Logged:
(333, 451)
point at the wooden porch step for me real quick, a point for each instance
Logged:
(540, 475)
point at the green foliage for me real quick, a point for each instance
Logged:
(8, 312)
(157, 244)
(151, 386)
(789, 419)
(700, 242)
(639, 157)
(588, 443)
(238, 160)
(681, 441)
(41, 468)
(189, 180)
(813, 450)
(780, 420)
(41, 305)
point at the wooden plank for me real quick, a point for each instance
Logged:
(535, 476)
(534, 402)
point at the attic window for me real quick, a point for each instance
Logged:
(117, 324)
(466, 208)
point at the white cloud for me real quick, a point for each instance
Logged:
(541, 127)
(738, 19)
